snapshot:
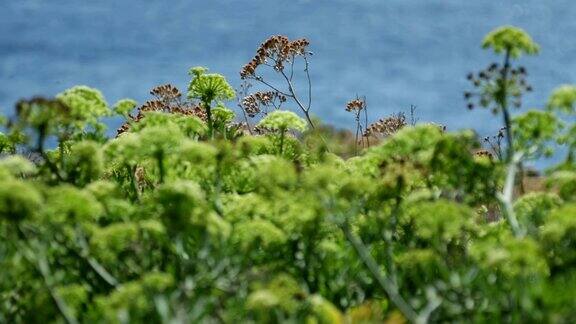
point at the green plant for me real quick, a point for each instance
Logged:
(186, 216)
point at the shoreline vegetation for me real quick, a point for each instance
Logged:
(195, 212)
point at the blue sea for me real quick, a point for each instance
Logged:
(397, 53)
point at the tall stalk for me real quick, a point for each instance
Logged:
(511, 160)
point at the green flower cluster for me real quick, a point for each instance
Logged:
(512, 39)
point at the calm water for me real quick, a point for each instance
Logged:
(395, 52)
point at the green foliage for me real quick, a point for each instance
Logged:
(185, 218)
(17, 166)
(565, 182)
(510, 257)
(559, 236)
(124, 106)
(533, 131)
(86, 106)
(133, 301)
(533, 208)
(18, 200)
(563, 99)
(440, 220)
(223, 115)
(512, 39)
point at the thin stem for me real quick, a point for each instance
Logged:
(309, 83)
(292, 66)
(295, 97)
(260, 79)
(504, 105)
(93, 263)
(511, 159)
(244, 92)
(209, 119)
(356, 136)
(388, 285)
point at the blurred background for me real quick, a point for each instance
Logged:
(397, 53)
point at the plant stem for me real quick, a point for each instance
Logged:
(161, 168)
(294, 96)
(388, 285)
(506, 198)
(209, 119)
(282, 134)
(512, 160)
(504, 106)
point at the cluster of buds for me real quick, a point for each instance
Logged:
(252, 103)
(498, 137)
(495, 142)
(355, 105)
(490, 84)
(484, 153)
(278, 49)
(386, 126)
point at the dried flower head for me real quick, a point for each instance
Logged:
(276, 51)
(167, 101)
(355, 105)
(253, 103)
(386, 126)
(166, 92)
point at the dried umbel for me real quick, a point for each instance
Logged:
(275, 51)
(253, 103)
(168, 101)
(154, 105)
(386, 126)
(166, 93)
(497, 84)
(355, 105)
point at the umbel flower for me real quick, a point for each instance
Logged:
(86, 104)
(281, 120)
(208, 87)
(510, 38)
